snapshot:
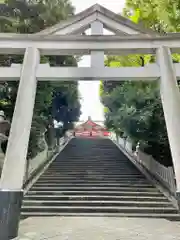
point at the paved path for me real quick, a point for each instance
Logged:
(98, 228)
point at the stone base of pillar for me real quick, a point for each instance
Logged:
(10, 208)
(178, 199)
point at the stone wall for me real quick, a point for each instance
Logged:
(1, 156)
(4, 128)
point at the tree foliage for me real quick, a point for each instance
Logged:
(160, 15)
(134, 109)
(53, 100)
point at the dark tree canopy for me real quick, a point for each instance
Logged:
(134, 109)
(59, 100)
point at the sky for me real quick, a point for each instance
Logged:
(89, 91)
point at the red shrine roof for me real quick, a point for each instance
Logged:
(90, 123)
(90, 129)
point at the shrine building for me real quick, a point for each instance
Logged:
(90, 129)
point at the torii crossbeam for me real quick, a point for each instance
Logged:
(82, 45)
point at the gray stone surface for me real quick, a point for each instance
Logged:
(98, 228)
(10, 206)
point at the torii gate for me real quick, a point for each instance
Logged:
(66, 39)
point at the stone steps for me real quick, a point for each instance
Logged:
(91, 188)
(95, 197)
(93, 181)
(106, 209)
(91, 177)
(95, 203)
(65, 184)
(110, 193)
(167, 216)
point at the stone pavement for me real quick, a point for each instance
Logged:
(98, 228)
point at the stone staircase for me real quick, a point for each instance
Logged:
(91, 177)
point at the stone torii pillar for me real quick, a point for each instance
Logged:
(14, 168)
(170, 97)
(97, 57)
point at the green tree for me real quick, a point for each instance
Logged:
(160, 15)
(21, 16)
(135, 109)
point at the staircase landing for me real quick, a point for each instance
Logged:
(98, 228)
